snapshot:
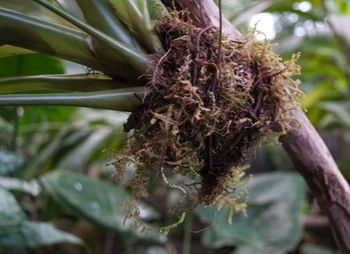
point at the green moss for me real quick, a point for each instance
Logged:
(203, 114)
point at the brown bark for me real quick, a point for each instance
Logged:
(304, 145)
(314, 162)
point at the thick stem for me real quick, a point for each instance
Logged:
(314, 162)
(304, 145)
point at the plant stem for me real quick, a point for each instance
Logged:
(186, 248)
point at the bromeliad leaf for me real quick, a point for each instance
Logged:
(59, 83)
(8, 50)
(38, 35)
(119, 99)
(32, 9)
(100, 15)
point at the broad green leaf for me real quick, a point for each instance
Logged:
(11, 214)
(35, 234)
(15, 184)
(9, 162)
(273, 217)
(96, 200)
(119, 99)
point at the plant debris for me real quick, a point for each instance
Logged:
(207, 106)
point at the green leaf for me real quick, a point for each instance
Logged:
(32, 9)
(33, 64)
(136, 15)
(9, 162)
(137, 60)
(15, 184)
(11, 214)
(44, 155)
(340, 111)
(8, 50)
(97, 201)
(35, 234)
(273, 219)
(22, 31)
(119, 99)
(71, 7)
(58, 83)
(86, 149)
(100, 15)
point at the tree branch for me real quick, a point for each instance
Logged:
(304, 145)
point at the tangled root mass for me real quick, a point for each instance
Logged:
(208, 104)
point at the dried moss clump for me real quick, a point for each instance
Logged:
(207, 105)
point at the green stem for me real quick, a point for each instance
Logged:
(186, 248)
(137, 60)
(120, 99)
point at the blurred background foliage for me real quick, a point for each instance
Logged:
(56, 190)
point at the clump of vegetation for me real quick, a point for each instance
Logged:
(209, 102)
